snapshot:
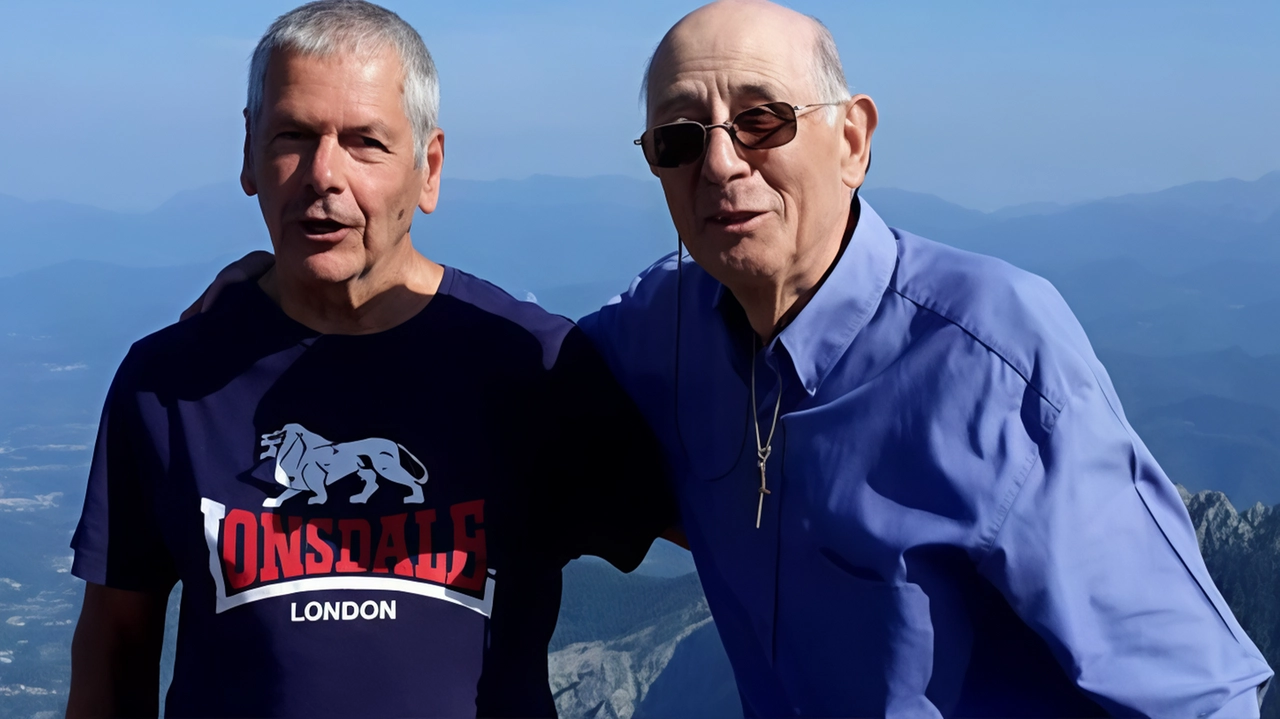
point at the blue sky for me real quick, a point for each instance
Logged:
(122, 104)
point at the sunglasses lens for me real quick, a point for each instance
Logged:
(766, 126)
(673, 145)
(681, 143)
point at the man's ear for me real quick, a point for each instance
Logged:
(247, 182)
(431, 172)
(860, 121)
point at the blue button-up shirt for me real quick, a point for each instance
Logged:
(961, 520)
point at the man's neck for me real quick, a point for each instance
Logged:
(391, 291)
(771, 307)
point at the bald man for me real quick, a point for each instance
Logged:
(907, 482)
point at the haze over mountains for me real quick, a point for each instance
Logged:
(1177, 289)
(1207, 248)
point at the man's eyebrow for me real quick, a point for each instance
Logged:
(377, 127)
(766, 92)
(680, 98)
(753, 90)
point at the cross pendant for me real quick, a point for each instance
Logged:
(764, 457)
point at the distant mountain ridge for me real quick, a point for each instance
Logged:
(199, 225)
(191, 227)
(1249, 201)
(580, 240)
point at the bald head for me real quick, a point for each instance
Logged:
(736, 30)
(761, 194)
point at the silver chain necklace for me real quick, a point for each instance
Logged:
(763, 450)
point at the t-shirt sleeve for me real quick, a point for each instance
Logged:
(611, 496)
(117, 542)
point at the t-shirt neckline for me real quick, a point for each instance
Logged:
(276, 314)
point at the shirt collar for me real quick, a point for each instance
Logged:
(819, 335)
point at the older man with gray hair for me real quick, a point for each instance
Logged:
(366, 469)
(906, 479)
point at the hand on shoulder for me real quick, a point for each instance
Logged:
(250, 267)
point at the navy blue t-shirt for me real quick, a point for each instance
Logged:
(366, 525)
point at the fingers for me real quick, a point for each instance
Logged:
(204, 303)
(251, 266)
(255, 264)
(229, 275)
(194, 309)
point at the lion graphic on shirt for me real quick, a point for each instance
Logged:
(307, 462)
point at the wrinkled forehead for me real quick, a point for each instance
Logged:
(706, 69)
(369, 64)
(349, 80)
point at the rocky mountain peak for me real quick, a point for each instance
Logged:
(1220, 528)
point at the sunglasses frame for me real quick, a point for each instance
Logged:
(797, 111)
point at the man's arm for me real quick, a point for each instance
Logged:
(115, 654)
(121, 555)
(1098, 555)
(250, 267)
(612, 486)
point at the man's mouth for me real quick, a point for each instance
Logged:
(738, 221)
(322, 229)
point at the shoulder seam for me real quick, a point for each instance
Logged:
(987, 345)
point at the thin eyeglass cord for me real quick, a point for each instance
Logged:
(762, 453)
(675, 399)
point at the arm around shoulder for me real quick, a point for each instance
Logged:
(250, 267)
(611, 481)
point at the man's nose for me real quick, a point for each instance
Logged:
(326, 174)
(722, 161)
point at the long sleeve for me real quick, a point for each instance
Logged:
(1098, 554)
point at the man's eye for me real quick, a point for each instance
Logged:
(757, 121)
(370, 142)
(289, 135)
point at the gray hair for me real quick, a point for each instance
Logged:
(327, 27)
(828, 73)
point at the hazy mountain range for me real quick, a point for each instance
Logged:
(1177, 290)
(1187, 269)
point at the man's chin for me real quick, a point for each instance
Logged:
(329, 268)
(732, 257)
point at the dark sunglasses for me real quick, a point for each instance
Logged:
(757, 128)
